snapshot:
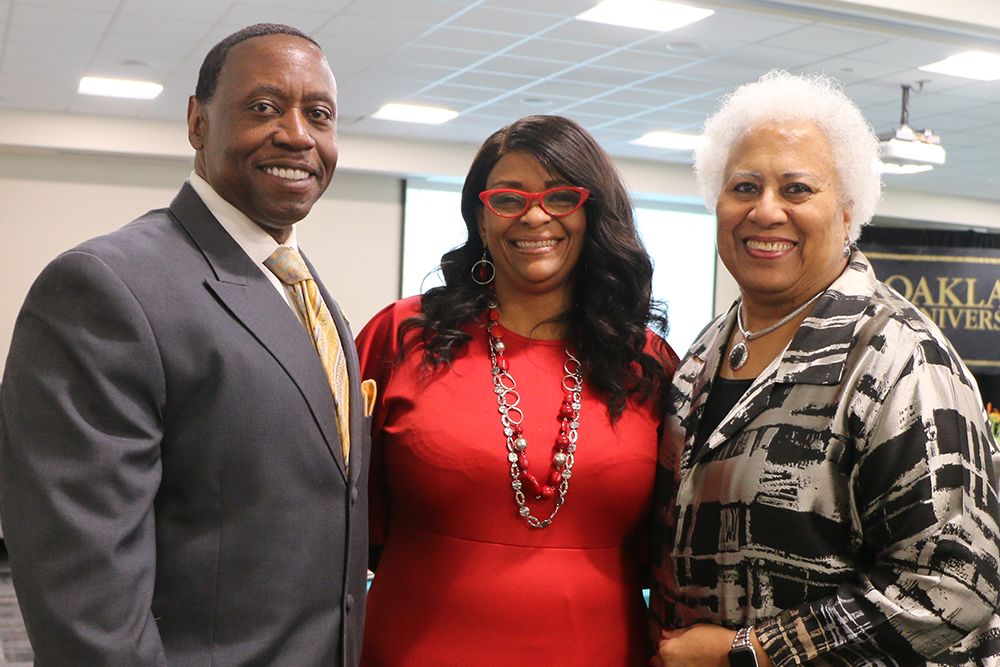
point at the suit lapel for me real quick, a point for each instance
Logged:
(252, 300)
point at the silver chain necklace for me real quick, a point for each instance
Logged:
(740, 353)
(508, 400)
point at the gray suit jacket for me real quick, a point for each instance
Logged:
(171, 483)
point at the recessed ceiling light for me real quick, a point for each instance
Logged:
(903, 169)
(672, 140)
(646, 14)
(409, 113)
(134, 90)
(972, 65)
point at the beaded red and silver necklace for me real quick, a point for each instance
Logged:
(511, 417)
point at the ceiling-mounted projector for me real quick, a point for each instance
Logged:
(907, 147)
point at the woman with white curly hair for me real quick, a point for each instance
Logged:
(826, 488)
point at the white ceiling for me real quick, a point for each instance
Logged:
(497, 60)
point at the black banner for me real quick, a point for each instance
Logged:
(957, 288)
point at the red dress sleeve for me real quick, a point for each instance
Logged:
(378, 351)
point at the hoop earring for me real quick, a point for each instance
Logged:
(847, 249)
(482, 269)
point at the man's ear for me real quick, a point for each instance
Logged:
(197, 121)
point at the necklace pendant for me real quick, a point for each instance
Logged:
(738, 356)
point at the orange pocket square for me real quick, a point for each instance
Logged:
(369, 391)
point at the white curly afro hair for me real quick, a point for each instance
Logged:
(782, 97)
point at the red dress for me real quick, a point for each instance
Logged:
(463, 580)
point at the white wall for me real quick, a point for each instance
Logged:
(50, 202)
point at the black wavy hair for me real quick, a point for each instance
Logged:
(612, 297)
(211, 67)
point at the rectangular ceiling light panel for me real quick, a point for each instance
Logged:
(645, 14)
(672, 140)
(133, 90)
(977, 65)
(409, 113)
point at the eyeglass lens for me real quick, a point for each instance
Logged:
(560, 201)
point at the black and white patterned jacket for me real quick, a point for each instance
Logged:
(847, 505)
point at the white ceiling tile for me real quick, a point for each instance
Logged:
(641, 97)
(500, 82)
(600, 107)
(985, 112)
(467, 94)
(26, 55)
(345, 67)
(472, 40)
(119, 47)
(512, 107)
(854, 70)
(205, 11)
(984, 91)
(636, 127)
(643, 61)
(588, 121)
(438, 56)
(370, 49)
(615, 78)
(828, 40)
(562, 51)
(54, 39)
(723, 70)
(907, 51)
(588, 32)
(767, 57)
(557, 7)
(243, 15)
(671, 117)
(429, 12)
(94, 5)
(327, 6)
(685, 86)
(532, 67)
(965, 129)
(505, 21)
(24, 14)
(874, 92)
(363, 27)
(157, 28)
(726, 30)
(567, 89)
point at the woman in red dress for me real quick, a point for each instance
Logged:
(515, 430)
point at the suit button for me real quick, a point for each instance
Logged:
(354, 495)
(348, 603)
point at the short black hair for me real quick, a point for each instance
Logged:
(208, 76)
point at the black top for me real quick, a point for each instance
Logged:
(724, 395)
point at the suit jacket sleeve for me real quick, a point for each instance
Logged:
(80, 434)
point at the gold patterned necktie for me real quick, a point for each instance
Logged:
(288, 265)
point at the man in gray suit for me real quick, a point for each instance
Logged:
(173, 485)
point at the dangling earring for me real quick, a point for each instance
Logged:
(483, 271)
(847, 249)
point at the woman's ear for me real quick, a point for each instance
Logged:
(482, 228)
(848, 219)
